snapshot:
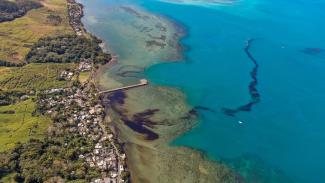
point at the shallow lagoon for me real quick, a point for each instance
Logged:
(283, 133)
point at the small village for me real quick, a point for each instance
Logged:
(77, 111)
(75, 14)
(88, 122)
(76, 121)
(84, 66)
(84, 114)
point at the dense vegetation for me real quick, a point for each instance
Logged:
(51, 160)
(54, 158)
(10, 97)
(67, 49)
(18, 36)
(54, 19)
(10, 64)
(10, 10)
(36, 147)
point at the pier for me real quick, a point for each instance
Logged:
(143, 82)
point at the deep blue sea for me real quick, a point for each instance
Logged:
(278, 102)
(286, 129)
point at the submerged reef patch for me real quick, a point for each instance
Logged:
(255, 95)
(130, 71)
(256, 169)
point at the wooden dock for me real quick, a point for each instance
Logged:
(143, 82)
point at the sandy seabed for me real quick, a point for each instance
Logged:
(148, 118)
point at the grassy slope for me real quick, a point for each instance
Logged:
(16, 37)
(33, 76)
(21, 126)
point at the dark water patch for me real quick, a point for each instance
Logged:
(198, 107)
(146, 114)
(161, 37)
(129, 74)
(313, 51)
(134, 12)
(152, 43)
(130, 71)
(252, 87)
(130, 67)
(150, 135)
(117, 97)
(143, 118)
(139, 122)
(144, 29)
(191, 113)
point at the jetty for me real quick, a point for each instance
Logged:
(143, 82)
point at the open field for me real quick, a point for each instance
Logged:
(20, 126)
(33, 76)
(84, 76)
(18, 36)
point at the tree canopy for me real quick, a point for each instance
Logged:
(9, 10)
(67, 49)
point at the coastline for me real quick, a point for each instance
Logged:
(143, 91)
(76, 13)
(192, 164)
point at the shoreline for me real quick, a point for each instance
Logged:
(75, 21)
(139, 151)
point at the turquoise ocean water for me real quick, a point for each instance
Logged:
(285, 128)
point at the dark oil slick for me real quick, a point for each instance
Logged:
(255, 96)
(139, 122)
